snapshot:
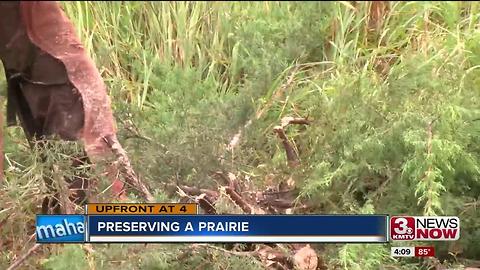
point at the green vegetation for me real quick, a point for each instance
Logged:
(393, 104)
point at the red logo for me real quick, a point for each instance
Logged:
(402, 228)
(425, 228)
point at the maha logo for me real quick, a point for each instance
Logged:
(60, 228)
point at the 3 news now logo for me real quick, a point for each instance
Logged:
(424, 228)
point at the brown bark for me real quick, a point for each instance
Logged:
(206, 205)
(238, 200)
(194, 191)
(292, 156)
(125, 168)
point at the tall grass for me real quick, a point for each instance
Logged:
(131, 38)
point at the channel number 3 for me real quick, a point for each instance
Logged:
(402, 226)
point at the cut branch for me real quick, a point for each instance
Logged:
(126, 169)
(274, 201)
(205, 204)
(292, 156)
(194, 191)
(24, 257)
(288, 120)
(238, 200)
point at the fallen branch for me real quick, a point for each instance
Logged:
(205, 204)
(24, 257)
(227, 179)
(193, 191)
(275, 259)
(126, 168)
(234, 142)
(270, 201)
(234, 183)
(238, 200)
(204, 201)
(288, 120)
(292, 156)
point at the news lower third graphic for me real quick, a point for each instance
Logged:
(237, 228)
(142, 223)
(181, 223)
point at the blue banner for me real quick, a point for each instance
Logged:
(60, 228)
(238, 228)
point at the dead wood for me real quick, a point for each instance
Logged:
(238, 200)
(292, 156)
(205, 200)
(272, 200)
(194, 191)
(24, 257)
(205, 204)
(227, 179)
(234, 183)
(276, 199)
(126, 169)
(288, 120)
